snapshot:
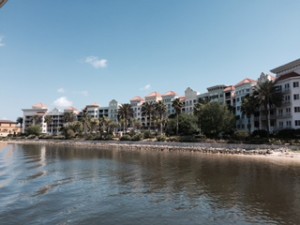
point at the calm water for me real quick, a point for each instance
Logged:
(55, 185)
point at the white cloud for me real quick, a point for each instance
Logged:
(146, 87)
(62, 102)
(96, 62)
(61, 90)
(1, 41)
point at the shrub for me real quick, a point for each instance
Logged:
(137, 137)
(125, 137)
(147, 134)
(69, 134)
(161, 138)
(286, 134)
(260, 133)
(188, 138)
(173, 139)
(241, 135)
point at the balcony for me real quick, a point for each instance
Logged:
(286, 103)
(284, 116)
(286, 91)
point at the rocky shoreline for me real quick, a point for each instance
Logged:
(213, 148)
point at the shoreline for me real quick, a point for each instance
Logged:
(278, 151)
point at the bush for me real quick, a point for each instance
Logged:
(188, 138)
(147, 134)
(137, 137)
(34, 130)
(241, 135)
(286, 134)
(125, 137)
(161, 138)
(70, 134)
(173, 139)
(260, 133)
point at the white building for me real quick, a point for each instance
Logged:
(242, 89)
(57, 121)
(190, 100)
(136, 105)
(113, 108)
(288, 81)
(168, 99)
(35, 116)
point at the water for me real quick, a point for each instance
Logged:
(56, 185)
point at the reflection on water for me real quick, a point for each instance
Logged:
(57, 185)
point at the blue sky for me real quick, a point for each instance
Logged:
(58, 52)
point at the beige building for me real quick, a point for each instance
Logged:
(8, 127)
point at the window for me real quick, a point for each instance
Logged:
(280, 111)
(287, 86)
(297, 109)
(288, 123)
(295, 84)
(296, 96)
(287, 98)
(297, 123)
(280, 124)
(288, 110)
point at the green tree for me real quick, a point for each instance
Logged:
(161, 110)
(125, 113)
(177, 105)
(69, 117)
(148, 109)
(214, 119)
(249, 107)
(34, 130)
(268, 95)
(49, 120)
(20, 121)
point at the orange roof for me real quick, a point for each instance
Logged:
(137, 98)
(154, 94)
(93, 105)
(245, 81)
(170, 93)
(182, 98)
(39, 106)
(229, 88)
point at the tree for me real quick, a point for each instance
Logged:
(37, 119)
(49, 120)
(20, 121)
(148, 109)
(69, 117)
(177, 105)
(187, 125)
(161, 110)
(214, 119)
(34, 130)
(86, 121)
(268, 96)
(125, 113)
(249, 107)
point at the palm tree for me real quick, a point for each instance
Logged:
(249, 107)
(20, 121)
(148, 109)
(37, 119)
(177, 105)
(86, 121)
(161, 110)
(125, 113)
(268, 96)
(49, 120)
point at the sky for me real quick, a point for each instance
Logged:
(64, 53)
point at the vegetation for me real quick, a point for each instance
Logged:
(34, 130)
(177, 105)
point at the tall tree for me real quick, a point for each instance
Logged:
(177, 105)
(148, 109)
(249, 107)
(161, 110)
(125, 113)
(268, 96)
(20, 121)
(49, 120)
(69, 117)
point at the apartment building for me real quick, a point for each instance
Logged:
(168, 99)
(288, 81)
(35, 116)
(190, 100)
(136, 105)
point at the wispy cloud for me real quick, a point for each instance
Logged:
(146, 87)
(1, 41)
(96, 62)
(61, 90)
(62, 103)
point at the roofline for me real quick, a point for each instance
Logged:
(286, 66)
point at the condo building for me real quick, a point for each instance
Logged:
(8, 127)
(288, 81)
(35, 116)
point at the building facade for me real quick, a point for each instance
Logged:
(8, 127)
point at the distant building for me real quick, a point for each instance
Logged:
(35, 116)
(8, 127)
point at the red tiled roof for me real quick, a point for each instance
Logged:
(93, 105)
(137, 98)
(154, 94)
(7, 121)
(170, 93)
(245, 81)
(39, 106)
(288, 75)
(229, 88)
